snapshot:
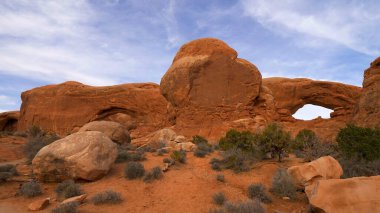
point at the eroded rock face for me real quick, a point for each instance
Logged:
(64, 108)
(368, 109)
(8, 121)
(360, 194)
(115, 131)
(206, 72)
(321, 169)
(85, 155)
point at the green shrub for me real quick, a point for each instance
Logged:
(282, 184)
(170, 161)
(107, 197)
(200, 153)
(358, 168)
(36, 141)
(258, 191)
(219, 198)
(179, 156)
(67, 189)
(197, 139)
(304, 139)
(7, 171)
(30, 189)
(154, 174)
(318, 150)
(4, 176)
(220, 178)
(134, 170)
(275, 140)
(233, 139)
(252, 206)
(358, 142)
(162, 151)
(66, 208)
(236, 160)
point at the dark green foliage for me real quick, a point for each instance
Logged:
(304, 139)
(220, 178)
(233, 139)
(219, 198)
(66, 208)
(197, 139)
(275, 140)
(30, 189)
(252, 206)
(258, 191)
(318, 150)
(179, 156)
(37, 140)
(134, 170)
(154, 174)
(358, 168)
(107, 197)
(236, 160)
(67, 189)
(125, 155)
(200, 153)
(282, 184)
(360, 143)
(7, 171)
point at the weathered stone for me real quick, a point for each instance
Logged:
(39, 204)
(9, 120)
(115, 131)
(79, 199)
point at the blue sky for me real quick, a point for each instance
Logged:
(105, 42)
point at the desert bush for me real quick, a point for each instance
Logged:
(236, 160)
(200, 153)
(161, 151)
(179, 156)
(137, 156)
(122, 156)
(282, 184)
(66, 208)
(275, 140)
(168, 160)
(37, 140)
(7, 171)
(107, 197)
(5, 133)
(154, 174)
(233, 139)
(20, 134)
(319, 149)
(197, 139)
(216, 166)
(304, 139)
(220, 178)
(360, 143)
(144, 149)
(258, 191)
(125, 155)
(4, 176)
(67, 189)
(30, 189)
(358, 168)
(252, 206)
(134, 170)
(219, 198)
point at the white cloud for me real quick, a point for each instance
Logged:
(309, 112)
(351, 24)
(6, 103)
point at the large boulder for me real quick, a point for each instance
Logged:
(322, 168)
(206, 72)
(8, 121)
(115, 131)
(64, 108)
(161, 138)
(368, 108)
(359, 194)
(85, 155)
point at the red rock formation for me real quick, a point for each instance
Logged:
(8, 121)
(66, 107)
(368, 108)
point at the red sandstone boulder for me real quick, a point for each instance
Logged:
(8, 121)
(353, 195)
(64, 108)
(115, 131)
(368, 108)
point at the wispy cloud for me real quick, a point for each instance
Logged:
(352, 24)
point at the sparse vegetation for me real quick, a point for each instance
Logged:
(258, 191)
(7, 171)
(134, 170)
(275, 140)
(357, 168)
(179, 156)
(219, 198)
(107, 197)
(252, 206)
(67, 189)
(127, 155)
(220, 178)
(170, 161)
(236, 160)
(197, 139)
(30, 189)
(304, 139)
(66, 208)
(233, 139)
(154, 174)
(282, 184)
(215, 164)
(360, 143)
(203, 147)
(37, 140)
(162, 151)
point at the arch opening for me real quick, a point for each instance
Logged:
(310, 112)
